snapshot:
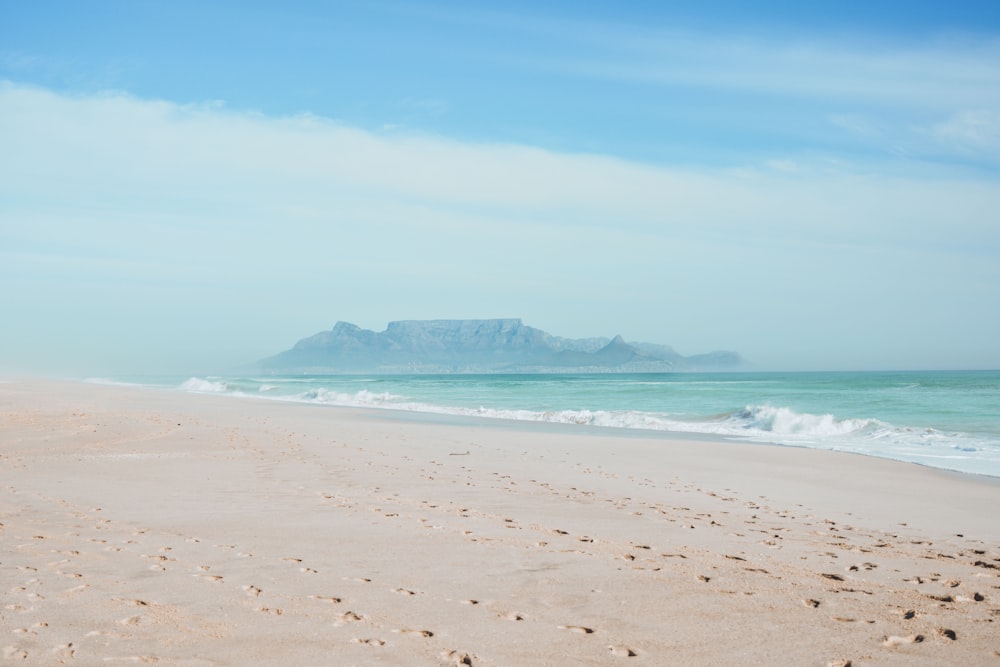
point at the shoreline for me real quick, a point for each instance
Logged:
(671, 427)
(236, 524)
(543, 427)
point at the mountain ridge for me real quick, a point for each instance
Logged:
(503, 345)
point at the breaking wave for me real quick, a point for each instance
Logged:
(201, 386)
(359, 399)
(781, 421)
(763, 423)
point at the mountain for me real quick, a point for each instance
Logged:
(478, 346)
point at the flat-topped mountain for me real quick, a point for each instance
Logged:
(479, 346)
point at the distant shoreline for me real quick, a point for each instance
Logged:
(939, 419)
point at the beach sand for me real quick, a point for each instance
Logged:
(144, 526)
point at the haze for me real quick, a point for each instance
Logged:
(185, 187)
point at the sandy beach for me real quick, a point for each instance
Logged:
(144, 526)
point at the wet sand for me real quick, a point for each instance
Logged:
(144, 526)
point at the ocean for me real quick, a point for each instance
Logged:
(948, 420)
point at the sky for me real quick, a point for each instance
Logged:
(187, 186)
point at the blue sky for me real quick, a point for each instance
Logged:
(187, 186)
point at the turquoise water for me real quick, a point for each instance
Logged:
(947, 420)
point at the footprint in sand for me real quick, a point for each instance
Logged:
(896, 640)
(512, 616)
(325, 598)
(415, 633)
(349, 617)
(622, 651)
(252, 591)
(403, 591)
(14, 653)
(369, 642)
(579, 629)
(457, 658)
(271, 610)
(64, 651)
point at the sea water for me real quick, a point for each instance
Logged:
(947, 420)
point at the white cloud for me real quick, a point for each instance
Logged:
(976, 131)
(261, 224)
(934, 73)
(113, 148)
(20, 61)
(888, 95)
(857, 124)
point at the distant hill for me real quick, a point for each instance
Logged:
(479, 346)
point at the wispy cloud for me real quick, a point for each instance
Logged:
(856, 124)
(117, 146)
(976, 131)
(931, 71)
(19, 61)
(863, 83)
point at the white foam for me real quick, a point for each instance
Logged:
(782, 421)
(112, 383)
(363, 398)
(201, 386)
(757, 423)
